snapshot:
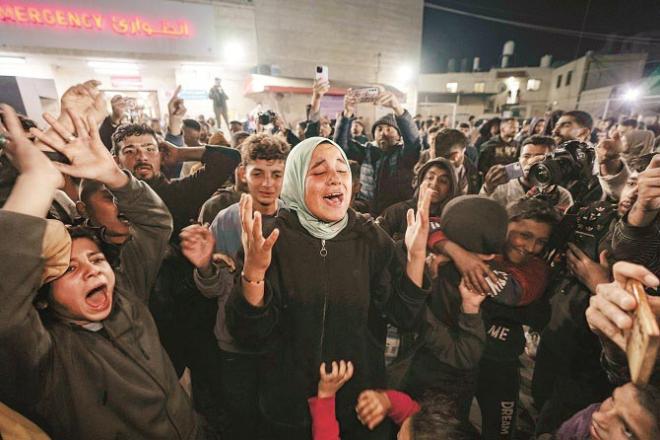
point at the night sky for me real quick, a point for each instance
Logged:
(447, 35)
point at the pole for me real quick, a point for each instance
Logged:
(453, 115)
(607, 107)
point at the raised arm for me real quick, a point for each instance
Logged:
(24, 342)
(151, 223)
(342, 137)
(412, 142)
(185, 197)
(401, 289)
(252, 309)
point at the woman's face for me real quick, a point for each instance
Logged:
(328, 184)
(84, 292)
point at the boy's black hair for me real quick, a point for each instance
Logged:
(531, 208)
(538, 139)
(649, 398)
(629, 123)
(436, 419)
(263, 146)
(446, 139)
(126, 130)
(192, 124)
(583, 119)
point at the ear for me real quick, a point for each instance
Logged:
(81, 208)
(241, 173)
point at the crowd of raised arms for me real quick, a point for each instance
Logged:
(404, 278)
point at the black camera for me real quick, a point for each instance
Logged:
(571, 161)
(266, 117)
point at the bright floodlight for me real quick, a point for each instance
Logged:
(405, 73)
(233, 52)
(632, 94)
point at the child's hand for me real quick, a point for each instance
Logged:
(372, 407)
(330, 383)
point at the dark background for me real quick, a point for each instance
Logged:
(447, 35)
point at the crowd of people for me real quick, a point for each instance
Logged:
(330, 279)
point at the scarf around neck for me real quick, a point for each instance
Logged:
(293, 189)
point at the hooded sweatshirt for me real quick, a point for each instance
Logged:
(394, 219)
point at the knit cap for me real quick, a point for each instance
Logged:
(388, 119)
(476, 223)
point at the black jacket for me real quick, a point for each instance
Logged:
(497, 152)
(184, 197)
(393, 171)
(319, 309)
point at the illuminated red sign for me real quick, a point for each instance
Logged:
(57, 17)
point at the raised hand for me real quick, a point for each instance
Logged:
(587, 270)
(648, 186)
(610, 309)
(330, 383)
(197, 245)
(471, 299)
(88, 157)
(176, 111)
(21, 151)
(320, 88)
(417, 232)
(495, 177)
(389, 100)
(350, 104)
(609, 148)
(34, 188)
(86, 100)
(372, 407)
(258, 250)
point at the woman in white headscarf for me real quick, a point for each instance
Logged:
(322, 287)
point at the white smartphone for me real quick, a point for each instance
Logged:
(321, 73)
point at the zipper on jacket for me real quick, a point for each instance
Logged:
(323, 252)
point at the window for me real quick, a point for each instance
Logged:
(479, 87)
(452, 87)
(569, 77)
(558, 85)
(533, 84)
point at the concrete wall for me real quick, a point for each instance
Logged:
(346, 35)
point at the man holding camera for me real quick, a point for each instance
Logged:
(386, 163)
(501, 187)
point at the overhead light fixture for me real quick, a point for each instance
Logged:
(114, 67)
(11, 60)
(632, 94)
(405, 73)
(233, 52)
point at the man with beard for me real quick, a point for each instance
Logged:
(386, 164)
(185, 319)
(498, 186)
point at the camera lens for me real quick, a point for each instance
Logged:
(540, 175)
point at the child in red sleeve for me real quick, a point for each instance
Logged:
(372, 407)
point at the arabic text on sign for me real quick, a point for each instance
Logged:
(56, 17)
